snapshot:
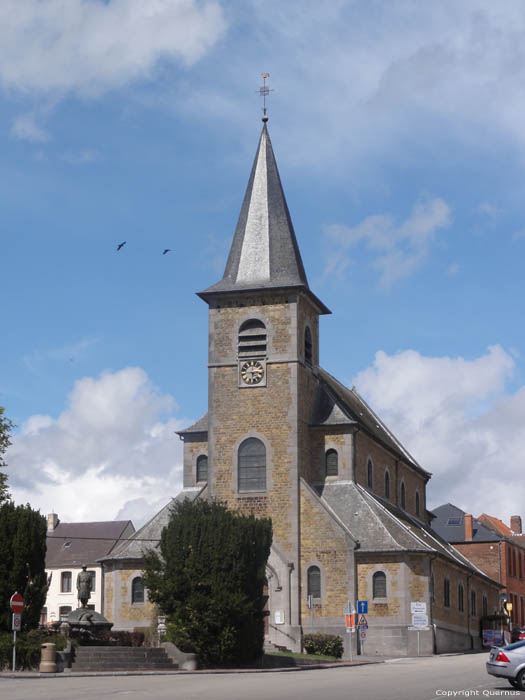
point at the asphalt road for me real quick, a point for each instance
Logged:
(408, 679)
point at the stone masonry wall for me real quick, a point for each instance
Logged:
(325, 544)
(382, 459)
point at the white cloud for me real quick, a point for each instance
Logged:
(453, 270)
(114, 443)
(25, 128)
(398, 249)
(354, 80)
(459, 421)
(91, 47)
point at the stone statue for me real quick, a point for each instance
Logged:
(84, 586)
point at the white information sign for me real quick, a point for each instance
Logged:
(419, 620)
(418, 607)
(279, 617)
(17, 622)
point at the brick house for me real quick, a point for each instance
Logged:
(283, 438)
(496, 548)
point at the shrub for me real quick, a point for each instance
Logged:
(324, 644)
(208, 581)
(28, 648)
(117, 638)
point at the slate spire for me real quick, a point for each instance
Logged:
(264, 252)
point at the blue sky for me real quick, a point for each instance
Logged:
(398, 131)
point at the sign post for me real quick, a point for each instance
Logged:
(350, 624)
(419, 619)
(17, 605)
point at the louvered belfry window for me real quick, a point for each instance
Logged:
(252, 339)
(252, 465)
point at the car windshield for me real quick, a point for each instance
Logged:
(516, 645)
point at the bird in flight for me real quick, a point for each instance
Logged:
(120, 245)
(166, 250)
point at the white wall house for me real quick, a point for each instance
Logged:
(69, 547)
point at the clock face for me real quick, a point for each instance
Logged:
(252, 372)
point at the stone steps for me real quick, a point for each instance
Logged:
(121, 659)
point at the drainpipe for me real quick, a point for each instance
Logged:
(469, 576)
(431, 605)
(290, 569)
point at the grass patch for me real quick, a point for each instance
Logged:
(314, 657)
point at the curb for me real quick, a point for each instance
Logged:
(22, 675)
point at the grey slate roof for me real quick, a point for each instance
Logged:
(148, 536)
(264, 252)
(355, 408)
(201, 426)
(381, 526)
(75, 544)
(456, 532)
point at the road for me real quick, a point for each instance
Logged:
(428, 678)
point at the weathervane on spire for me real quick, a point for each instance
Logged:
(263, 92)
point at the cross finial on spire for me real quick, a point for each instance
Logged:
(263, 92)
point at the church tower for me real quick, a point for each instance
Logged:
(263, 353)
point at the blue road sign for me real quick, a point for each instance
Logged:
(362, 607)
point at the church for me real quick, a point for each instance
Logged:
(283, 438)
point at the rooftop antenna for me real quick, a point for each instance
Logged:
(263, 92)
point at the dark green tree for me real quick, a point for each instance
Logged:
(5, 431)
(208, 578)
(22, 562)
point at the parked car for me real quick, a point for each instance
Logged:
(508, 662)
(517, 634)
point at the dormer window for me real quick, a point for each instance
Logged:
(252, 338)
(308, 346)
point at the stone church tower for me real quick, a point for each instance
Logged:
(284, 439)
(263, 350)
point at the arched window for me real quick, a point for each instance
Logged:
(308, 346)
(485, 605)
(417, 502)
(252, 465)
(252, 338)
(403, 496)
(331, 463)
(137, 590)
(202, 468)
(314, 581)
(387, 484)
(446, 593)
(370, 474)
(461, 598)
(379, 584)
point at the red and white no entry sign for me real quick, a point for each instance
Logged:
(16, 603)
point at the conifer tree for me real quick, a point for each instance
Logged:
(22, 562)
(208, 578)
(5, 431)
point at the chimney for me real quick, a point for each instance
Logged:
(515, 524)
(52, 521)
(468, 526)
